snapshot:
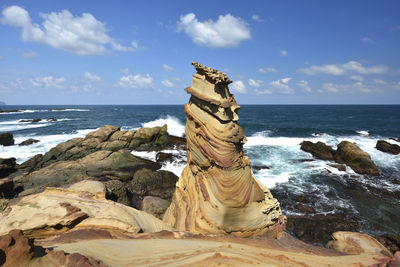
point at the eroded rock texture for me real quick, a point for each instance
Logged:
(217, 192)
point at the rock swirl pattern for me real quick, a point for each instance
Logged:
(217, 192)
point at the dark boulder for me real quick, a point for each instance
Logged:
(7, 188)
(318, 229)
(155, 206)
(357, 159)
(390, 241)
(7, 166)
(7, 139)
(31, 120)
(319, 150)
(388, 147)
(147, 182)
(116, 191)
(340, 167)
(28, 142)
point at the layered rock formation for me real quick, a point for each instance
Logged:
(217, 192)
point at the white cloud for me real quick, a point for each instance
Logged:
(255, 83)
(256, 18)
(356, 78)
(283, 86)
(379, 81)
(284, 53)
(168, 68)
(263, 92)
(227, 31)
(91, 77)
(304, 85)
(267, 70)
(238, 86)
(135, 81)
(81, 35)
(125, 71)
(368, 40)
(29, 54)
(342, 69)
(347, 88)
(168, 83)
(48, 82)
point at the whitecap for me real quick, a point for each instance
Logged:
(362, 132)
(174, 125)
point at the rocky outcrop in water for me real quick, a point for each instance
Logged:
(387, 147)
(217, 192)
(7, 139)
(28, 142)
(346, 153)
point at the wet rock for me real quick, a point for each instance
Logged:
(155, 206)
(395, 139)
(29, 141)
(6, 188)
(388, 147)
(305, 208)
(340, 167)
(357, 159)
(301, 160)
(7, 166)
(319, 150)
(117, 191)
(51, 119)
(259, 167)
(7, 139)
(317, 229)
(31, 120)
(390, 241)
(164, 157)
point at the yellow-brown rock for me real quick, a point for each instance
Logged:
(217, 192)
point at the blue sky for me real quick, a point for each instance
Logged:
(139, 52)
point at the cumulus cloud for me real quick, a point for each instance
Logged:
(284, 53)
(238, 86)
(267, 70)
(256, 18)
(81, 35)
(346, 88)
(168, 83)
(91, 77)
(227, 31)
(168, 68)
(356, 78)
(29, 54)
(48, 82)
(283, 86)
(255, 83)
(343, 69)
(135, 81)
(304, 85)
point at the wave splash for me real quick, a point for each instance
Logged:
(174, 125)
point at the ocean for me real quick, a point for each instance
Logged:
(274, 134)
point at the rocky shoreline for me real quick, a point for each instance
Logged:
(93, 193)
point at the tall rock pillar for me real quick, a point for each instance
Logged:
(217, 192)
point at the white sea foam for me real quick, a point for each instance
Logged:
(363, 132)
(43, 110)
(22, 126)
(174, 125)
(69, 109)
(46, 142)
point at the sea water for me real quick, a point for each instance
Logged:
(274, 134)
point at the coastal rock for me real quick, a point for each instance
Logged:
(6, 188)
(29, 141)
(31, 120)
(388, 147)
(119, 165)
(390, 241)
(90, 186)
(57, 211)
(17, 250)
(117, 191)
(319, 150)
(340, 167)
(147, 182)
(7, 139)
(155, 206)
(217, 192)
(357, 159)
(317, 229)
(7, 166)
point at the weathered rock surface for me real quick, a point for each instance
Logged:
(17, 250)
(217, 192)
(357, 159)
(7, 139)
(28, 142)
(319, 150)
(186, 249)
(7, 166)
(155, 206)
(56, 211)
(387, 147)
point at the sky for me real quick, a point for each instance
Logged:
(140, 52)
